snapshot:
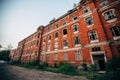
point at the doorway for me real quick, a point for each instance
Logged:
(99, 61)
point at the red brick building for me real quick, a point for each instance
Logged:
(13, 53)
(89, 33)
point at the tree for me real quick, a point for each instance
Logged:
(4, 55)
(0, 46)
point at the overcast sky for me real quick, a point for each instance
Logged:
(20, 18)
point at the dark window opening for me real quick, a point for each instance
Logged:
(96, 49)
(77, 40)
(64, 31)
(115, 31)
(56, 35)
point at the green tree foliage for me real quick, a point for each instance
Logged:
(4, 55)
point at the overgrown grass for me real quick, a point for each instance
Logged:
(63, 68)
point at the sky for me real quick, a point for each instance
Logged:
(21, 18)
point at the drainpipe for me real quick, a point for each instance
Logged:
(21, 52)
(39, 44)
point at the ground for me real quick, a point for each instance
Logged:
(10, 72)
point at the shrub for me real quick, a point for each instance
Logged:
(112, 71)
(34, 63)
(66, 68)
(84, 67)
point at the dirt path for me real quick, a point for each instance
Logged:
(8, 72)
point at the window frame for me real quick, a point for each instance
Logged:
(115, 31)
(55, 35)
(103, 3)
(65, 43)
(95, 35)
(48, 47)
(73, 28)
(74, 18)
(114, 18)
(87, 8)
(65, 56)
(66, 31)
(55, 56)
(78, 55)
(88, 22)
(49, 37)
(56, 47)
(76, 40)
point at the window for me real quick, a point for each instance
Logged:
(56, 45)
(64, 22)
(83, 2)
(43, 48)
(85, 10)
(75, 28)
(78, 55)
(96, 49)
(38, 35)
(47, 57)
(74, 18)
(65, 56)
(56, 26)
(93, 35)
(50, 28)
(103, 3)
(64, 31)
(65, 43)
(49, 37)
(56, 34)
(43, 40)
(37, 43)
(115, 31)
(89, 21)
(55, 56)
(48, 47)
(118, 49)
(109, 15)
(77, 40)
(44, 32)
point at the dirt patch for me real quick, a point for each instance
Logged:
(9, 72)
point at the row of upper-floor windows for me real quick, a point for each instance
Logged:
(78, 56)
(108, 16)
(93, 37)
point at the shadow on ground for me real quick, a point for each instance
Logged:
(5, 74)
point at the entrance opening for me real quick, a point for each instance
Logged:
(99, 62)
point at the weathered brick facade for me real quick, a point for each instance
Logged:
(89, 33)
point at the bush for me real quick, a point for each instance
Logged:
(112, 71)
(34, 63)
(66, 68)
(84, 67)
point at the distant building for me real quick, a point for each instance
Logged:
(89, 33)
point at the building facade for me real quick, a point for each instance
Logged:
(89, 33)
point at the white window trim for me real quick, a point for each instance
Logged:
(92, 19)
(75, 32)
(76, 58)
(116, 38)
(86, 8)
(65, 34)
(55, 33)
(93, 41)
(55, 56)
(65, 58)
(111, 20)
